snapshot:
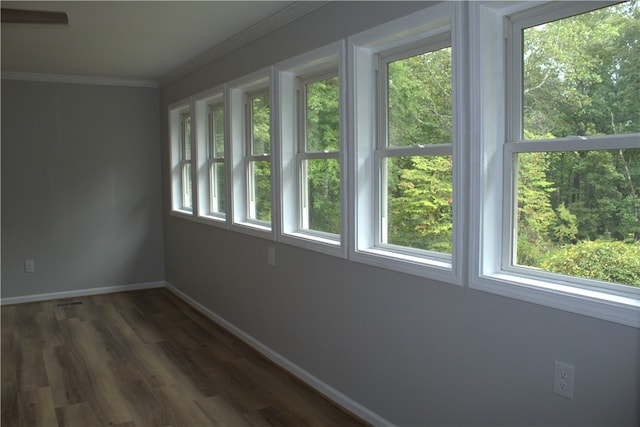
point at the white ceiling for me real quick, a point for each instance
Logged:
(141, 40)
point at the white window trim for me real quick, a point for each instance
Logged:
(479, 32)
(202, 102)
(490, 27)
(363, 50)
(237, 205)
(175, 112)
(328, 58)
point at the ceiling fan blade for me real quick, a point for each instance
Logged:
(22, 16)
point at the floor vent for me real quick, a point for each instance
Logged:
(66, 304)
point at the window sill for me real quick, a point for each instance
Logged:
(314, 243)
(418, 266)
(253, 229)
(213, 219)
(589, 302)
(182, 213)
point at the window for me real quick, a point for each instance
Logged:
(318, 156)
(252, 151)
(488, 144)
(312, 155)
(406, 149)
(211, 159)
(413, 156)
(181, 158)
(569, 161)
(258, 159)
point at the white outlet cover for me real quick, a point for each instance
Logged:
(563, 379)
(29, 266)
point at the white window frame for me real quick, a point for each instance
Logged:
(240, 158)
(205, 159)
(496, 130)
(292, 74)
(483, 145)
(406, 34)
(176, 114)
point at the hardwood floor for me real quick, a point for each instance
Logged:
(142, 358)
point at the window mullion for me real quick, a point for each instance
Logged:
(318, 155)
(605, 142)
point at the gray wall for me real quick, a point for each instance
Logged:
(416, 352)
(80, 187)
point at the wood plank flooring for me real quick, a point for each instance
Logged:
(143, 358)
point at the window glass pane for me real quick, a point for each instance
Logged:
(582, 74)
(186, 186)
(260, 126)
(218, 189)
(578, 213)
(322, 115)
(419, 105)
(322, 204)
(260, 190)
(217, 131)
(418, 202)
(186, 137)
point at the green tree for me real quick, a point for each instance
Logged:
(610, 261)
(535, 216)
(420, 203)
(565, 229)
(261, 144)
(581, 78)
(323, 134)
(581, 73)
(419, 188)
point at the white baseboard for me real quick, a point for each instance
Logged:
(81, 293)
(325, 389)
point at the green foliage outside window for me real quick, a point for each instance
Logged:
(419, 188)
(578, 211)
(420, 199)
(261, 144)
(323, 134)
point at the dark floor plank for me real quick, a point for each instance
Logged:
(172, 333)
(10, 414)
(143, 403)
(30, 370)
(185, 411)
(143, 358)
(36, 408)
(144, 328)
(8, 319)
(50, 334)
(86, 340)
(107, 402)
(8, 358)
(191, 369)
(79, 414)
(25, 325)
(67, 375)
(221, 412)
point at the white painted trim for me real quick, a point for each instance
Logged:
(325, 389)
(427, 29)
(81, 293)
(491, 64)
(271, 23)
(85, 80)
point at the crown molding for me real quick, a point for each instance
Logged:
(86, 80)
(269, 24)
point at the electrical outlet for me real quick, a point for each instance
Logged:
(271, 256)
(563, 379)
(29, 266)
